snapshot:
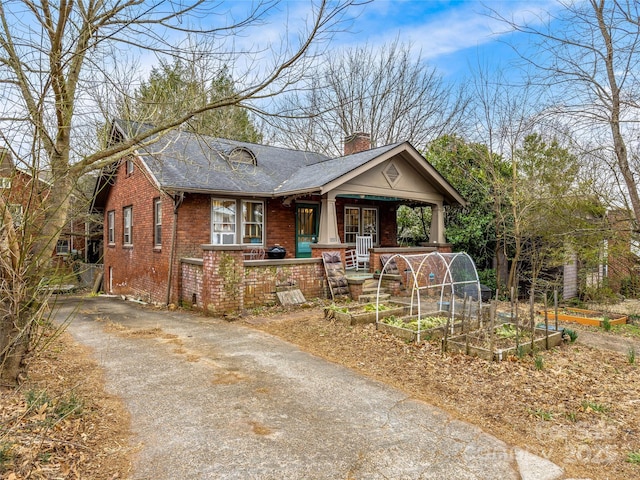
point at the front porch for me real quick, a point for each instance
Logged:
(223, 281)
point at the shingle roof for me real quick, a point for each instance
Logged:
(320, 173)
(185, 161)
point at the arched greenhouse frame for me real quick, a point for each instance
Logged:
(446, 284)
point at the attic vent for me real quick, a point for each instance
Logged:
(392, 174)
(242, 155)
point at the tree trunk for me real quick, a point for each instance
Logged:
(15, 324)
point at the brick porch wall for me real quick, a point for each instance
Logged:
(221, 282)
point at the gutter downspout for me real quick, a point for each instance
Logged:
(177, 201)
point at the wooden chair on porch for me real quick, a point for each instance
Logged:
(363, 244)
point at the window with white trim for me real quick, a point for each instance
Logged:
(127, 224)
(252, 222)
(111, 226)
(129, 166)
(157, 222)
(5, 182)
(226, 223)
(223, 221)
(360, 221)
(62, 247)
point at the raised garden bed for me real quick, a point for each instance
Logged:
(478, 344)
(586, 317)
(432, 326)
(363, 313)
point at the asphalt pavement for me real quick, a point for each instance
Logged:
(210, 399)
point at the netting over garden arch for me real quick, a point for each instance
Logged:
(439, 283)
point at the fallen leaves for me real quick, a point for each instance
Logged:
(60, 423)
(543, 410)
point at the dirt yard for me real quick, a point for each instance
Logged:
(60, 423)
(577, 405)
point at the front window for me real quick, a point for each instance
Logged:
(351, 224)
(223, 222)
(157, 222)
(127, 214)
(111, 224)
(5, 183)
(360, 221)
(62, 247)
(370, 223)
(252, 222)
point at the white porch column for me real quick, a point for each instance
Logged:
(436, 232)
(328, 221)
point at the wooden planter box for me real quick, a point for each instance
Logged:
(459, 345)
(356, 315)
(435, 333)
(585, 317)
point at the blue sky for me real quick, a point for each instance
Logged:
(453, 35)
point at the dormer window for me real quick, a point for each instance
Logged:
(243, 155)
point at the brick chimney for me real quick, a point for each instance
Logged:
(357, 142)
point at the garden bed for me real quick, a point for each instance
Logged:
(586, 317)
(363, 313)
(478, 344)
(432, 326)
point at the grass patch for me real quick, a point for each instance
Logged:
(595, 407)
(542, 414)
(634, 457)
(572, 334)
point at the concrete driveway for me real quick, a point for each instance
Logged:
(215, 400)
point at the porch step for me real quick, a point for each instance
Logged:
(371, 297)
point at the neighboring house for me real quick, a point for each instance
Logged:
(188, 200)
(22, 197)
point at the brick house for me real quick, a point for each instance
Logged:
(182, 215)
(22, 193)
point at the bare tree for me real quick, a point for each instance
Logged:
(389, 93)
(588, 58)
(54, 57)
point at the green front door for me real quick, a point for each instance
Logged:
(306, 229)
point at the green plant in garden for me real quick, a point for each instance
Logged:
(631, 355)
(506, 331)
(634, 457)
(336, 308)
(394, 321)
(371, 307)
(571, 334)
(542, 414)
(606, 324)
(539, 362)
(36, 399)
(595, 406)
(66, 406)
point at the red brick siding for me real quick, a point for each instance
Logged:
(139, 270)
(222, 280)
(261, 282)
(191, 280)
(252, 286)
(281, 226)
